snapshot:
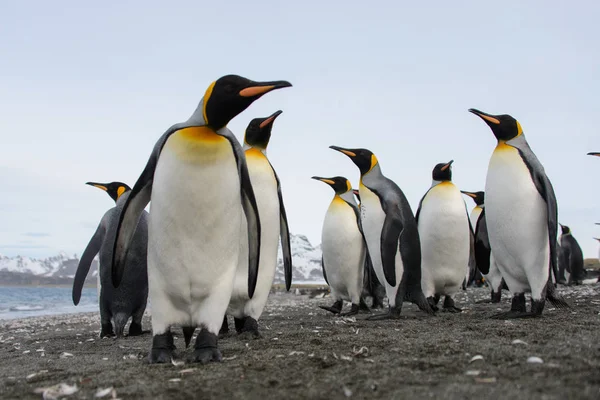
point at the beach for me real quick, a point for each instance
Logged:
(306, 352)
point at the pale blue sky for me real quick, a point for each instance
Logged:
(86, 90)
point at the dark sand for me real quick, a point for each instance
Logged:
(307, 353)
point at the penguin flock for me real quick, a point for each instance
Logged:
(207, 250)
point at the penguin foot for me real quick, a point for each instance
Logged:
(353, 311)
(518, 309)
(496, 297)
(377, 305)
(452, 310)
(135, 329)
(162, 348)
(336, 308)
(224, 327)
(250, 329)
(433, 302)
(449, 305)
(107, 331)
(393, 313)
(205, 349)
(239, 324)
(362, 305)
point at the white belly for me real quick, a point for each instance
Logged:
(445, 240)
(372, 218)
(493, 277)
(517, 222)
(267, 200)
(194, 233)
(343, 252)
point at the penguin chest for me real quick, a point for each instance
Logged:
(196, 212)
(516, 214)
(445, 239)
(475, 216)
(343, 249)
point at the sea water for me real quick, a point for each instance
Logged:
(21, 302)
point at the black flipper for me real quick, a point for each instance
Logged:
(390, 237)
(250, 210)
(323, 267)
(545, 189)
(137, 200)
(420, 204)
(286, 247)
(83, 268)
(482, 245)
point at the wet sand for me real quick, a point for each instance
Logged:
(306, 352)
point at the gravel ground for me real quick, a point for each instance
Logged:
(306, 352)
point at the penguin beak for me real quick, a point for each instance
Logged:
(98, 185)
(326, 180)
(470, 194)
(257, 89)
(490, 119)
(342, 150)
(598, 239)
(445, 167)
(270, 119)
(594, 154)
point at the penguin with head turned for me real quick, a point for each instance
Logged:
(522, 218)
(200, 191)
(117, 305)
(445, 233)
(343, 247)
(273, 221)
(391, 234)
(572, 256)
(484, 258)
(371, 285)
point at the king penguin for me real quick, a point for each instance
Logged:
(343, 247)
(593, 153)
(198, 181)
(572, 256)
(522, 218)
(484, 258)
(391, 234)
(371, 285)
(445, 233)
(129, 299)
(273, 221)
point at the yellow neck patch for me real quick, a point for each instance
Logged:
(207, 95)
(120, 191)
(201, 134)
(519, 129)
(348, 185)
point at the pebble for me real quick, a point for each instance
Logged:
(535, 360)
(519, 341)
(475, 358)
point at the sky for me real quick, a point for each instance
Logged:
(87, 89)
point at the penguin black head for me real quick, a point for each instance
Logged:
(565, 229)
(356, 193)
(114, 189)
(364, 159)
(258, 132)
(230, 95)
(503, 126)
(478, 197)
(338, 183)
(442, 172)
(593, 153)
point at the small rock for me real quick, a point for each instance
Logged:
(472, 373)
(65, 355)
(535, 360)
(57, 391)
(519, 341)
(347, 391)
(175, 380)
(103, 392)
(475, 358)
(485, 380)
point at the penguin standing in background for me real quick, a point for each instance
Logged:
(445, 233)
(483, 254)
(371, 285)
(522, 218)
(594, 154)
(572, 256)
(198, 182)
(391, 234)
(343, 247)
(129, 300)
(273, 221)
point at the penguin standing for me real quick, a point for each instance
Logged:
(391, 234)
(273, 221)
(343, 247)
(129, 300)
(371, 285)
(597, 154)
(445, 233)
(483, 254)
(521, 216)
(572, 256)
(198, 182)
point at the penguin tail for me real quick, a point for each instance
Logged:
(120, 320)
(188, 332)
(557, 300)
